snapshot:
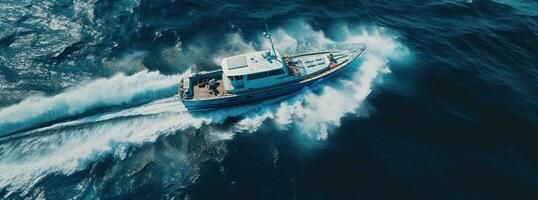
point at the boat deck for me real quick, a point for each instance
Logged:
(202, 91)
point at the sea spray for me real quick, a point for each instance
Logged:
(315, 113)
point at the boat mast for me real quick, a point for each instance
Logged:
(269, 37)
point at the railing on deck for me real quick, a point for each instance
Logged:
(307, 49)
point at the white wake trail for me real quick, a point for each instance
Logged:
(102, 93)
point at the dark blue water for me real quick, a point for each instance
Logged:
(444, 105)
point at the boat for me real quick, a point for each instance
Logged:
(263, 75)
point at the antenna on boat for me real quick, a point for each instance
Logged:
(266, 34)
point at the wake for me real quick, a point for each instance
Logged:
(68, 147)
(103, 93)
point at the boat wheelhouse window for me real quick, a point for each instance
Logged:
(236, 78)
(276, 72)
(257, 76)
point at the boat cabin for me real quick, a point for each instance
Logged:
(253, 71)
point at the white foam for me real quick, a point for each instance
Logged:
(118, 90)
(315, 114)
(27, 162)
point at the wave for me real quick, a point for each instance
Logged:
(71, 146)
(303, 112)
(119, 90)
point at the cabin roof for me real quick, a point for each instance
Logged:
(250, 63)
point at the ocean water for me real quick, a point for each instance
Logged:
(444, 104)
